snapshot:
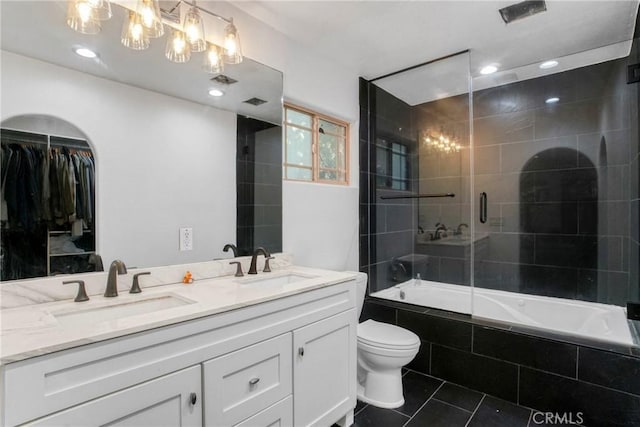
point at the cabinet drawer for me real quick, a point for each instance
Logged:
(242, 383)
(278, 415)
(172, 400)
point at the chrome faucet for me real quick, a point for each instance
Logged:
(118, 267)
(253, 268)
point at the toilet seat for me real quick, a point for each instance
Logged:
(385, 336)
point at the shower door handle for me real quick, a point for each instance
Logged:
(483, 207)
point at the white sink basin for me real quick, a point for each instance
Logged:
(119, 311)
(275, 281)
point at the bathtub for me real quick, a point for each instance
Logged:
(587, 319)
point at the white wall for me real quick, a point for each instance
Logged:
(162, 163)
(320, 222)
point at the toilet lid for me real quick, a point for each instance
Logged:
(385, 335)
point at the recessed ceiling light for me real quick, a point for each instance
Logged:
(548, 64)
(216, 92)
(85, 53)
(489, 69)
(552, 100)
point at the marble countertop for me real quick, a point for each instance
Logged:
(34, 330)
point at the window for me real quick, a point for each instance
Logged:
(316, 147)
(392, 165)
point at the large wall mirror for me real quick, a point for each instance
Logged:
(167, 155)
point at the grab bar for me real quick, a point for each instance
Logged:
(418, 196)
(483, 207)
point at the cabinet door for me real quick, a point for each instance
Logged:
(165, 401)
(324, 375)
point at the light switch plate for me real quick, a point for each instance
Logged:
(186, 239)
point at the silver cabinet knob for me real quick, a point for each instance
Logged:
(301, 351)
(193, 398)
(254, 381)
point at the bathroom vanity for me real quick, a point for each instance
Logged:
(274, 349)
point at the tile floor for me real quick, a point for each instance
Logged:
(432, 402)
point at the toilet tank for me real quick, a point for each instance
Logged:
(361, 290)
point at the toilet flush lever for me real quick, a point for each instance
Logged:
(301, 351)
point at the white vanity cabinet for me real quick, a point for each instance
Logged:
(290, 361)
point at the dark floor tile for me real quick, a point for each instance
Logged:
(417, 389)
(461, 397)
(491, 376)
(599, 406)
(610, 370)
(435, 414)
(360, 405)
(437, 330)
(543, 354)
(378, 417)
(499, 413)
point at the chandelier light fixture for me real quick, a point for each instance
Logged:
(84, 15)
(194, 29)
(213, 62)
(178, 48)
(133, 34)
(149, 11)
(440, 142)
(146, 22)
(232, 51)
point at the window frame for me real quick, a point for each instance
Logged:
(315, 146)
(406, 156)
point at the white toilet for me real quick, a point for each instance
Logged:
(383, 350)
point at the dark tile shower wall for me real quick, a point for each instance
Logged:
(259, 185)
(545, 373)
(558, 180)
(387, 227)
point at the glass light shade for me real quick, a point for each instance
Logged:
(133, 34)
(82, 17)
(149, 11)
(178, 49)
(194, 29)
(101, 8)
(232, 49)
(213, 62)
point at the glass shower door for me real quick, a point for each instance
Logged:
(422, 207)
(555, 179)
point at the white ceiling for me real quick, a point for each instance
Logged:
(380, 37)
(37, 29)
(372, 38)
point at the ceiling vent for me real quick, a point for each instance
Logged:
(522, 10)
(255, 101)
(225, 80)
